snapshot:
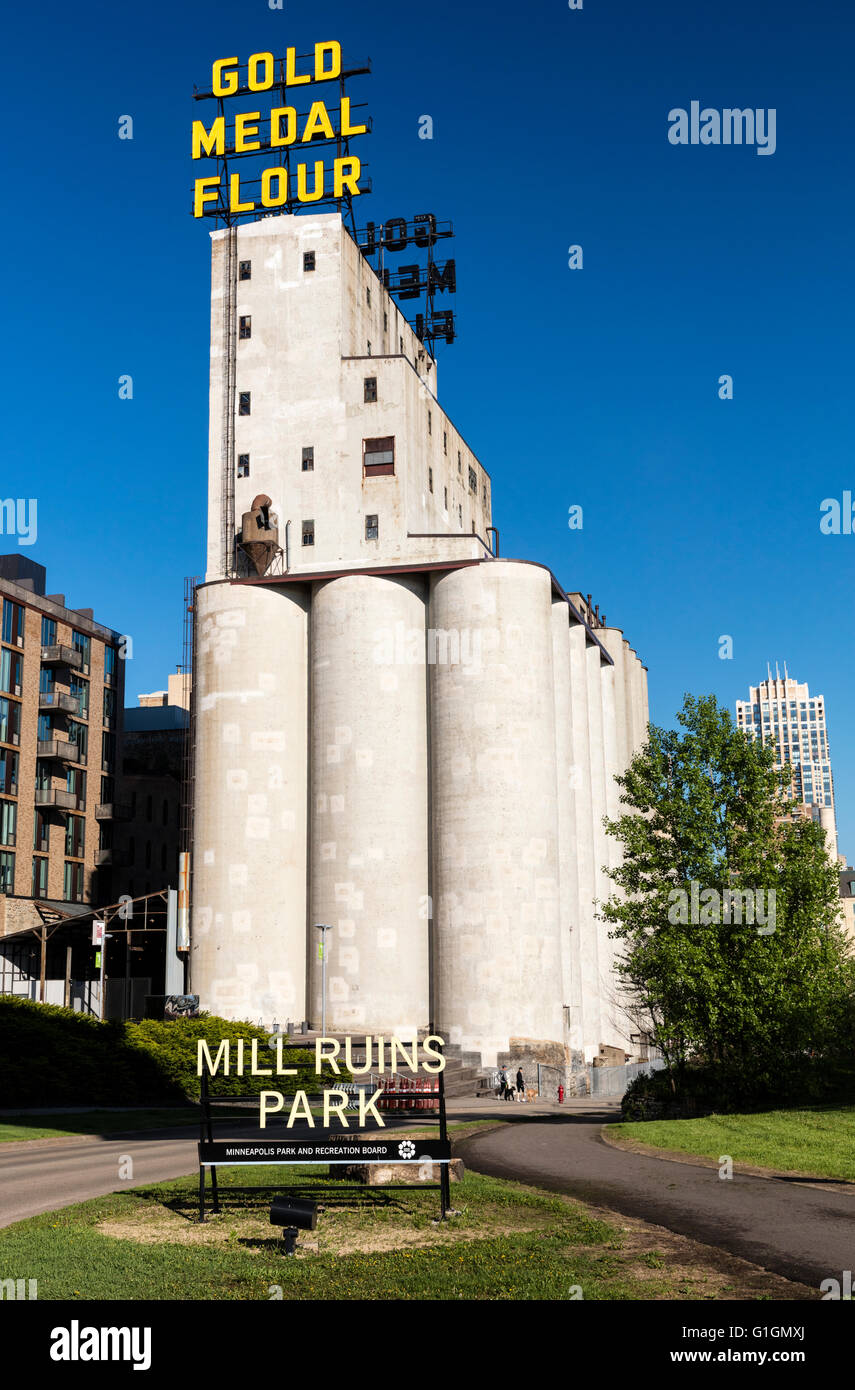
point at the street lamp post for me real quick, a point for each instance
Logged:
(323, 928)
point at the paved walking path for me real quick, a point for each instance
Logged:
(806, 1233)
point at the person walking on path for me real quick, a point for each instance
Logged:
(520, 1084)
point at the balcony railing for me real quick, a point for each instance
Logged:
(60, 700)
(113, 810)
(62, 800)
(60, 655)
(61, 748)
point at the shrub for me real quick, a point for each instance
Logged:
(53, 1056)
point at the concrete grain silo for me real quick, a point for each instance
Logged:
(397, 733)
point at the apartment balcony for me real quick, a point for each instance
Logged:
(59, 800)
(115, 858)
(50, 700)
(113, 810)
(60, 748)
(60, 655)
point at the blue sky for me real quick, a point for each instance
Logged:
(595, 387)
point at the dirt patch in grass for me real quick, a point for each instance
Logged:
(344, 1230)
(699, 1271)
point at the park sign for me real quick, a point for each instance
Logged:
(303, 145)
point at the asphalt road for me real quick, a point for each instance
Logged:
(801, 1232)
(49, 1173)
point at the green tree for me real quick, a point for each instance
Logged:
(708, 837)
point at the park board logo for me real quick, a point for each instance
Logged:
(76, 1343)
(406, 1149)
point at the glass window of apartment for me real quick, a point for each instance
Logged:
(45, 678)
(109, 705)
(243, 466)
(75, 836)
(245, 329)
(308, 533)
(10, 671)
(369, 389)
(8, 822)
(244, 403)
(106, 790)
(108, 752)
(48, 632)
(40, 876)
(75, 782)
(7, 872)
(308, 260)
(81, 642)
(244, 270)
(10, 721)
(110, 657)
(78, 734)
(41, 831)
(8, 771)
(372, 528)
(308, 458)
(80, 690)
(378, 457)
(42, 775)
(72, 887)
(13, 623)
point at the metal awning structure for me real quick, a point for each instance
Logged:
(120, 917)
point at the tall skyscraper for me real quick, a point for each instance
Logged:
(783, 710)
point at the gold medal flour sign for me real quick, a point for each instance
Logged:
(276, 123)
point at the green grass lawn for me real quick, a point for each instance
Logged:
(818, 1139)
(15, 1127)
(508, 1242)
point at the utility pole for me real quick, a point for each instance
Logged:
(323, 928)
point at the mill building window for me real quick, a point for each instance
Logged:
(308, 260)
(372, 528)
(369, 392)
(245, 403)
(308, 533)
(309, 458)
(243, 466)
(244, 270)
(378, 457)
(245, 328)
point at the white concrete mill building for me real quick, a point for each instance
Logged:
(396, 733)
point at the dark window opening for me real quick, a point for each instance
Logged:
(473, 481)
(244, 270)
(244, 403)
(372, 528)
(368, 296)
(430, 479)
(308, 260)
(309, 458)
(370, 388)
(245, 326)
(243, 466)
(445, 441)
(308, 533)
